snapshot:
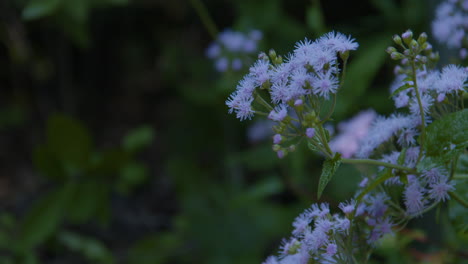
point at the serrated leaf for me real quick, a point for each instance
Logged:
(35, 9)
(448, 136)
(69, 141)
(138, 138)
(329, 168)
(400, 89)
(384, 175)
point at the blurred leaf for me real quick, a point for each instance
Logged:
(69, 141)
(109, 162)
(35, 9)
(462, 165)
(91, 248)
(143, 252)
(131, 175)
(387, 8)
(315, 19)
(12, 116)
(263, 189)
(138, 138)
(47, 163)
(363, 67)
(84, 201)
(43, 218)
(447, 136)
(329, 168)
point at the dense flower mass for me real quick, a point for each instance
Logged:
(290, 91)
(450, 25)
(231, 47)
(407, 182)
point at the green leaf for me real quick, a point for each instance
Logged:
(400, 89)
(69, 141)
(84, 201)
(448, 136)
(315, 20)
(47, 163)
(91, 248)
(35, 9)
(44, 218)
(138, 138)
(329, 168)
(132, 175)
(384, 175)
(110, 162)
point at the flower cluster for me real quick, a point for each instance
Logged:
(291, 91)
(408, 181)
(231, 47)
(451, 24)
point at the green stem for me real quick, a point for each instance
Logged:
(332, 108)
(205, 17)
(460, 176)
(323, 139)
(421, 110)
(378, 163)
(459, 199)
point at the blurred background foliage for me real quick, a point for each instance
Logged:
(116, 145)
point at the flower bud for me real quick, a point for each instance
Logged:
(407, 36)
(414, 45)
(390, 50)
(272, 54)
(422, 38)
(276, 148)
(396, 56)
(277, 139)
(397, 39)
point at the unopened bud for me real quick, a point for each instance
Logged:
(407, 37)
(397, 39)
(422, 38)
(390, 50)
(396, 56)
(272, 54)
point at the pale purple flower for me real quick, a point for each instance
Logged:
(213, 51)
(452, 79)
(280, 154)
(338, 42)
(260, 72)
(331, 249)
(414, 198)
(300, 223)
(271, 260)
(310, 132)
(277, 139)
(382, 130)
(377, 206)
(426, 101)
(434, 175)
(298, 102)
(222, 64)
(236, 64)
(279, 113)
(348, 207)
(439, 190)
(324, 84)
(351, 132)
